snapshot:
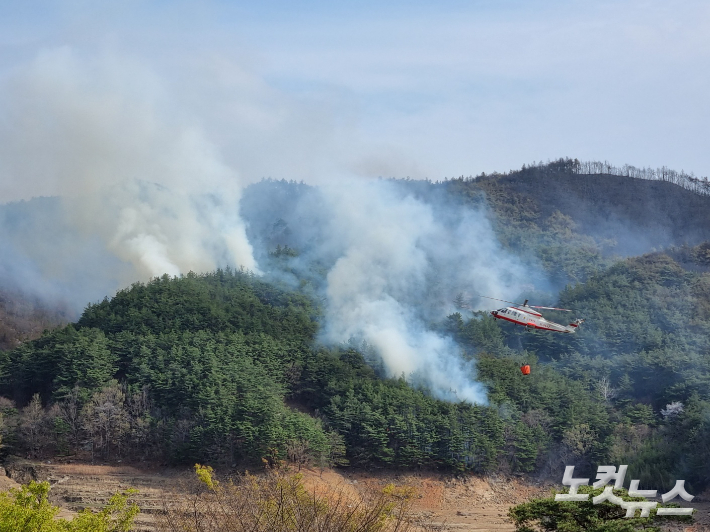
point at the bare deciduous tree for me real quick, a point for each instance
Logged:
(672, 410)
(105, 420)
(141, 436)
(298, 452)
(33, 427)
(605, 389)
(70, 413)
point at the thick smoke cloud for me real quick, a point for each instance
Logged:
(131, 175)
(393, 257)
(141, 191)
(404, 261)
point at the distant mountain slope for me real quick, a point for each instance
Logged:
(637, 214)
(23, 317)
(226, 367)
(46, 256)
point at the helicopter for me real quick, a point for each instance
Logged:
(528, 317)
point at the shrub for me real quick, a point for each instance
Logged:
(279, 502)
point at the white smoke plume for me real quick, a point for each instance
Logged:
(101, 136)
(144, 192)
(394, 256)
(402, 263)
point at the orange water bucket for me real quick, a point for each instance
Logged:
(525, 369)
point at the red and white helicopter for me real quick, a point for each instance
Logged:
(526, 316)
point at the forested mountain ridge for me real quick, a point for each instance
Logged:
(182, 384)
(211, 385)
(632, 215)
(226, 367)
(643, 350)
(570, 222)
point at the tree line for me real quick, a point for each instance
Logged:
(223, 368)
(565, 165)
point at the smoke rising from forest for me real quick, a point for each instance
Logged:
(135, 183)
(403, 263)
(394, 260)
(144, 193)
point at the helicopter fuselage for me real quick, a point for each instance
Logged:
(527, 317)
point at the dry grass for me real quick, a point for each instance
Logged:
(280, 502)
(93, 470)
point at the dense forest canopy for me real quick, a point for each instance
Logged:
(229, 367)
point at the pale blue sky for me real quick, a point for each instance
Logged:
(314, 90)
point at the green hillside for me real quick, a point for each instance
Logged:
(574, 223)
(222, 368)
(227, 368)
(644, 346)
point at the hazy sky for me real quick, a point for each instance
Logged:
(315, 90)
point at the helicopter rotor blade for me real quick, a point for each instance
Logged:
(503, 300)
(522, 304)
